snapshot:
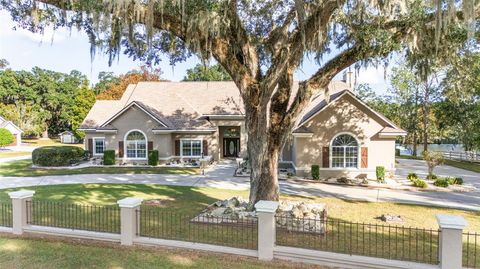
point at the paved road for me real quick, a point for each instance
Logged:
(222, 177)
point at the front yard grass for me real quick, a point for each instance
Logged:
(191, 200)
(46, 253)
(9, 154)
(470, 166)
(181, 203)
(22, 168)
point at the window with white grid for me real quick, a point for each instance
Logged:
(344, 152)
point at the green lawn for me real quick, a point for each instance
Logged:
(35, 142)
(474, 167)
(180, 204)
(9, 154)
(22, 168)
(46, 253)
(190, 200)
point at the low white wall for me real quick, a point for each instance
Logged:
(343, 260)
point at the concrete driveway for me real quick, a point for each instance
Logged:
(221, 176)
(420, 168)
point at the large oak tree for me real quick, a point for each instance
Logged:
(260, 44)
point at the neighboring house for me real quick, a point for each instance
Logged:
(188, 120)
(14, 129)
(67, 137)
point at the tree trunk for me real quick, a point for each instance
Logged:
(45, 133)
(414, 143)
(426, 111)
(263, 153)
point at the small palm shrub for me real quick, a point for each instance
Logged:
(315, 172)
(109, 157)
(412, 176)
(441, 182)
(420, 183)
(380, 173)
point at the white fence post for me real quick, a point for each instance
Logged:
(20, 213)
(266, 228)
(129, 219)
(450, 249)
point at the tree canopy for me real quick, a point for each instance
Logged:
(44, 100)
(203, 72)
(111, 87)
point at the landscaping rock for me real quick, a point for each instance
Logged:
(296, 216)
(391, 218)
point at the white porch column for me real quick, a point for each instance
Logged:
(450, 249)
(19, 209)
(129, 219)
(266, 228)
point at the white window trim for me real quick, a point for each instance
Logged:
(95, 146)
(359, 160)
(125, 145)
(191, 139)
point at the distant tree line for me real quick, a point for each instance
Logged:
(444, 107)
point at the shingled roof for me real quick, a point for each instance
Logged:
(181, 105)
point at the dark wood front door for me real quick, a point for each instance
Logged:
(231, 147)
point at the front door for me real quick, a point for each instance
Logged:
(231, 147)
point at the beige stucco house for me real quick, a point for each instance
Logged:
(191, 120)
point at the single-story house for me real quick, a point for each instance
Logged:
(67, 137)
(14, 129)
(190, 120)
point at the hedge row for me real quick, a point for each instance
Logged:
(58, 156)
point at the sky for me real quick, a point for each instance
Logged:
(64, 50)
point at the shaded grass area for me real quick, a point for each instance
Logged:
(9, 154)
(470, 166)
(22, 168)
(171, 220)
(47, 253)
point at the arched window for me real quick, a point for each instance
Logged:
(344, 151)
(136, 145)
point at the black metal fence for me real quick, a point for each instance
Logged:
(74, 216)
(383, 241)
(163, 224)
(471, 250)
(6, 216)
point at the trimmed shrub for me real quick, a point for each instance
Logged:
(397, 152)
(109, 157)
(6, 137)
(87, 155)
(458, 181)
(412, 176)
(420, 183)
(441, 182)
(454, 180)
(380, 172)
(57, 156)
(316, 171)
(153, 157)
